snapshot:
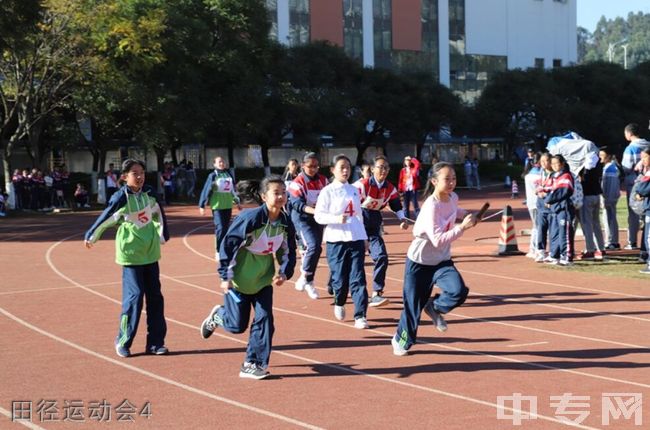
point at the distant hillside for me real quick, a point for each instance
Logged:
(611, 35)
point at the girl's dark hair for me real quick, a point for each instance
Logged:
(434, 175)
(536, 157)
(129, 163)
(562, 160)
(340, 157)
(252, 190)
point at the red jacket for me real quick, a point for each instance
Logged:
(415, 175)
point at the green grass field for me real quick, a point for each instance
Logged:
(615, 266)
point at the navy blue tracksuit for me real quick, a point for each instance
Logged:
(562, 215)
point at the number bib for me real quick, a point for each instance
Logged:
(224, 185)
(139, 218)
(265, 244)
(372, 203)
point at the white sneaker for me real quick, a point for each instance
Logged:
(300, 283)
(311, 291)
(339, 312)
(436, 317)
(360, 323)
(397, 348)
(531, 254)
(539, 258)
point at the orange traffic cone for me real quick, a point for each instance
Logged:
(507, 235)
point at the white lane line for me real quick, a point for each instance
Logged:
(502, 323)
(36, 290)
(554, 284)
(298, 358)
(449, 347)
(565, 308)
(157, 377)
(27, 424)
(526, 344)
(359, 372)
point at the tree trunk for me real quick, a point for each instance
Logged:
(160, 158)
(102, 159)
(230, 140)
(6, 167)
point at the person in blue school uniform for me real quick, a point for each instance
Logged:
(376, 192)
(303, 194)
(562, 212)
(219, 194)
(142, 228)
(643, 193)
(248, 273)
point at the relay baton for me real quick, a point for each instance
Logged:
(482, 211)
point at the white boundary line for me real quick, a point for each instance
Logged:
(526, 344)
(294, 356)
(598, 340)
(27, 424)
(156, 376)
(441, 346)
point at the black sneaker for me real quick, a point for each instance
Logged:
(613, 247)
(330, 290)
(157, 350)
(252, 371)
(211, 322)
(377, 300)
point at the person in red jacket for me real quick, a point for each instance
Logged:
(409, 184)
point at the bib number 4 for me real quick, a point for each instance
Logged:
(349, 209)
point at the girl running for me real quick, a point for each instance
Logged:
(429, 260)
(248, 273)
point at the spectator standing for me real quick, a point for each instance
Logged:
(612, 180)
(631, 158)
(111, 182)
(190, 177)
(409, 184)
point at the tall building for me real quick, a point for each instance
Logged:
(461, 43)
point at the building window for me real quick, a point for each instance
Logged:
(298, 22)
(539, 63)
(353, 28)
(557, 63)
(382, 32)
(272, 11)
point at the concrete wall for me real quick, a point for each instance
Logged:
(523, 30)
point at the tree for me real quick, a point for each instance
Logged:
(38, 69)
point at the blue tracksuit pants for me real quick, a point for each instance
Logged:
(221, 218)
(379, 256)
(311, 236)
(346, 268)
(562, 235)
(236, 316)
(142, 283)
(419, 280)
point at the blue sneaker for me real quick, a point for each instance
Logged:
(122, 351)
